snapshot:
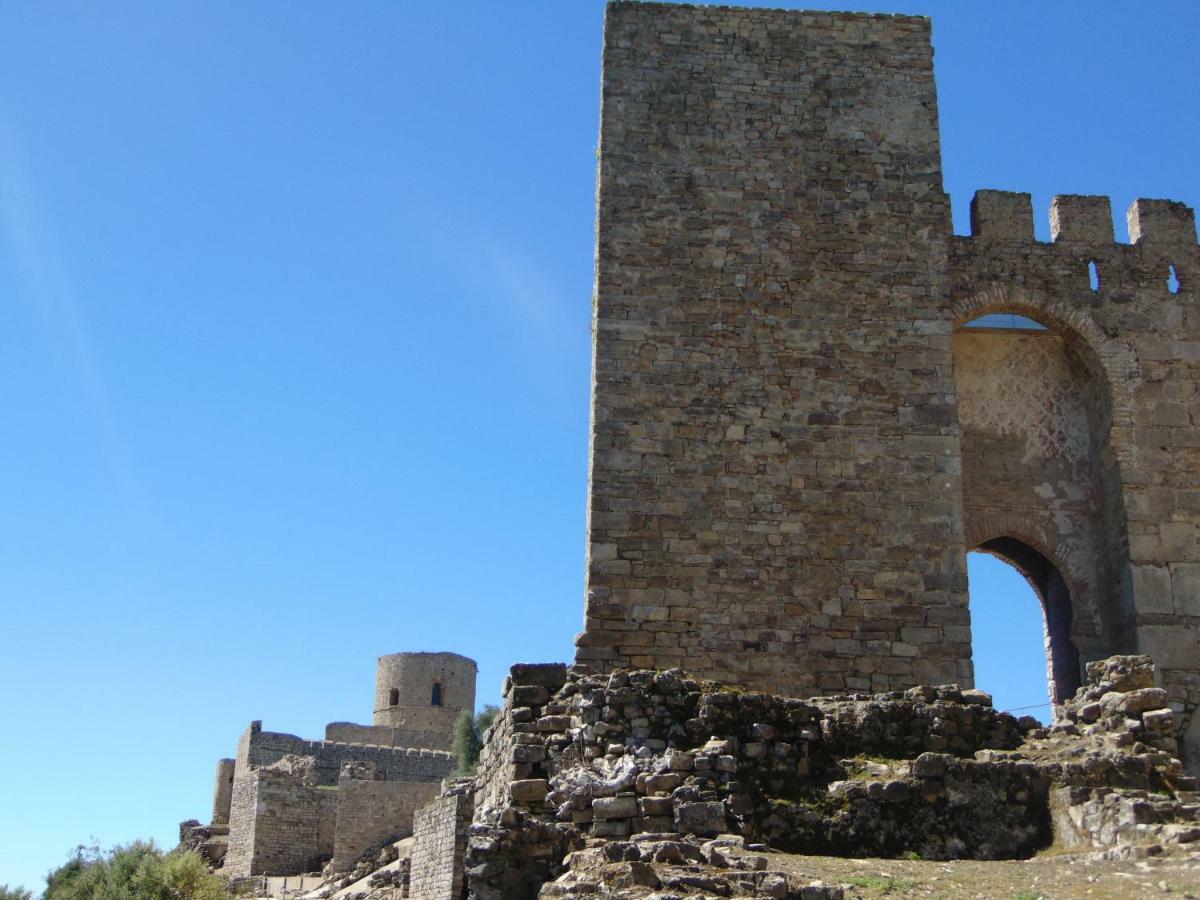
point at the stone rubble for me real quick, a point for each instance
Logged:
(625, 779)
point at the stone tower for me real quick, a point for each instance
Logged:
(421, 694)
(800, 426)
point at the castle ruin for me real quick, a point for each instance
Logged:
(804, 416)
(286, 806)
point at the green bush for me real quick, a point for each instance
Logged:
(137, 871)
(468, 738)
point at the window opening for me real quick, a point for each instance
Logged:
(437, 695)
(394, 697)
(1094, 276)
(1172, 279)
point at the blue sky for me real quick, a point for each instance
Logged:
(294, 308)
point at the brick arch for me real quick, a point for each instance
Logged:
(1116, 361)
(1027, 530)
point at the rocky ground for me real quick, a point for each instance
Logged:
(724, 868)
(1049, 876)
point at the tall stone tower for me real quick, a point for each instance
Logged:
(421, 694)
(775, 493)
(801, 423)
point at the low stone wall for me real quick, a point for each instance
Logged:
(371, 813)
(440, 836)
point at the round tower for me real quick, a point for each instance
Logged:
(421, 694)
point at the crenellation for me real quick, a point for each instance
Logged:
(1002, 216)
(1081, 220)
(1162, 224)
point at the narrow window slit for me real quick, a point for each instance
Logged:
(1172, 279)
(437, 695)
(1094, 276)
(394, 697)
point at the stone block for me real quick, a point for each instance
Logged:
(703, 818)
(615, 807)
(1152, 590)
(1185, 588)
(529, 791)
(551, 676)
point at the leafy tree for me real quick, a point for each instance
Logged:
(15, 893)
(136, 871)
(468, 737)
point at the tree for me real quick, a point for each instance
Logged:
(15, 893)
(468, 738)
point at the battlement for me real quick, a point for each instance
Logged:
(1161, 223)
(1081, 220)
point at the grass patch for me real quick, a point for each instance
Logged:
(884, 884)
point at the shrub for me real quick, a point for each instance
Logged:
(15, 893)
(137, 871)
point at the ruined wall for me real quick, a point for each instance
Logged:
(440, 831)
(279, 824)
(371, 813)
(405, 691)
(1134, 346)
(774, 485)
(260, 748)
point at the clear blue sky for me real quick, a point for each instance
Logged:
(294, 308)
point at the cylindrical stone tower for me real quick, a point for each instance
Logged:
(222, 792)
(421, 694)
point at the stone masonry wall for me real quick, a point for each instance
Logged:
(774, 486)
(279, 825)
(440, 831)
(371, 813)
(260, 748)
(1136, 349)
(388, 736)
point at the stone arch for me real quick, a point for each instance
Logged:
(1065, 496)
(1054, 586)
(1116, 361)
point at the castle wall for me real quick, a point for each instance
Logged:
(1135, 350)
(774, 486)
(440, 830)
(279, 825)
(261, 748)
(371, 813)
(388, 736)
